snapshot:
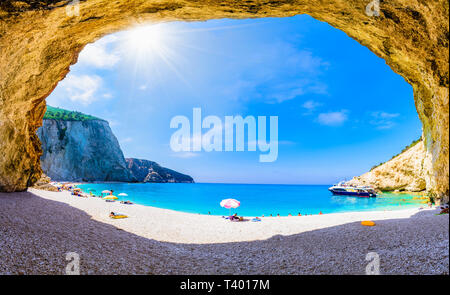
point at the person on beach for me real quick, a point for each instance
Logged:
(236, 218)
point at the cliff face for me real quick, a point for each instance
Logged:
(405, 172)
(81, 151)
(148, 171)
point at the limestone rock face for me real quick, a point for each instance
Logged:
(405, 172)
(44, 184)
(39, 40)
(81, 151)
(149, 171)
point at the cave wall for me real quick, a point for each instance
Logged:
(39, 41)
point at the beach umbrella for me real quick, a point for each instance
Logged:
(230, 203)
(122, 195)
(106, 192)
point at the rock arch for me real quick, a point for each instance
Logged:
(39, 41)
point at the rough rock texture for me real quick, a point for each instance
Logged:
(405, 172)
(148, 171)
(81, 151)
(39, 40)
(44, 184)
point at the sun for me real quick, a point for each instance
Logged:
(153, 46)
(148, 39)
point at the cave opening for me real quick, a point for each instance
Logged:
(341, 110)
(411, 38)
(41, 40)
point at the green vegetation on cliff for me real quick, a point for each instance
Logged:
(53, 113)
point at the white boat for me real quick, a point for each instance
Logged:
(342, 189)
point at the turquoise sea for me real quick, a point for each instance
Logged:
(256, 199)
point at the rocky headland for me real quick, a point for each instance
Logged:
(79, 147)
(404, 172)
(149, 171)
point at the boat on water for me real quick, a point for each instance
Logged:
(342, 189)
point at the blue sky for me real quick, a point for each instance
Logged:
(340, 108)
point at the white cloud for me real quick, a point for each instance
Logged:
(292, 90)
(385, 115)
(288, 94)
(383, 120)
(82, 88)
(263, 75)
(143, 87)
(306, 61)
(310, 106)
(98, 55)
(333, 118)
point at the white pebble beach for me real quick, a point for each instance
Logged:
(38, 228)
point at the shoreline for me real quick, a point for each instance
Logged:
(375, 209)
(178, 226)
(410, 207)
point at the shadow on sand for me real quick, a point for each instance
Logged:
(36, 234)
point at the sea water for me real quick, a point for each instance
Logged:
(256, 199)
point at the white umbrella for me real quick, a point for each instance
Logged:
(122, 195)
(106, 192)
(230, 203)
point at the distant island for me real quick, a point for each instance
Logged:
(80, 147)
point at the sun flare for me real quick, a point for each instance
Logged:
(150, 38)
(154, 46)
(148, 42)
